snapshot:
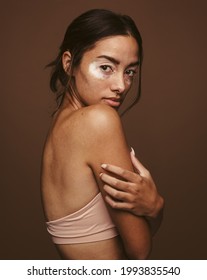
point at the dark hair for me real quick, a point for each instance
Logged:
(81, 36)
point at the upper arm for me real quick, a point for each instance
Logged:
(110, 146)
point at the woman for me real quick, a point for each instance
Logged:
(100, 54)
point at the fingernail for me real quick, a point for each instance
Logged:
(132, 151)
(103, 165)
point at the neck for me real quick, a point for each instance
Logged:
(72, 101)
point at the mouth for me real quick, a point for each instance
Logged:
(114, 102)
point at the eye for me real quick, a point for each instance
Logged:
(106, 68)
(131, 72)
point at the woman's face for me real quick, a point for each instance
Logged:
(106, 72)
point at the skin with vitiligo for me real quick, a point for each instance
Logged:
(80, 129)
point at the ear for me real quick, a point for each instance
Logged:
(66, 60)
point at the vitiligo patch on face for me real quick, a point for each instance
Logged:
(96, 71)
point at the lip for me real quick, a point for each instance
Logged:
(114, 102)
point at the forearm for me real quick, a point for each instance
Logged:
(135, 234)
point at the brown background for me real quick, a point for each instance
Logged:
(167, 128)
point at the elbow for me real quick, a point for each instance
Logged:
(144, 255)
(138, 253)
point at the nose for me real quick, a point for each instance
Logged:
(118, 84)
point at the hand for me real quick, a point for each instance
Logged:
(134, 191)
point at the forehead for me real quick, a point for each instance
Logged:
(122, 48)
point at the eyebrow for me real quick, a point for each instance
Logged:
(115, 61)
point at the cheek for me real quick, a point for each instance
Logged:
(87, 86)
(128, 81)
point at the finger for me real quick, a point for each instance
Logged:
(114, 182)
(123, 173)
(117, 204)
(137, 165)
(116, 194)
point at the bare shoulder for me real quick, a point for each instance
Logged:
(101, 111)
(89, 130)
(88, 123)
(97, 127)
(100, 117)
(105, 137)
